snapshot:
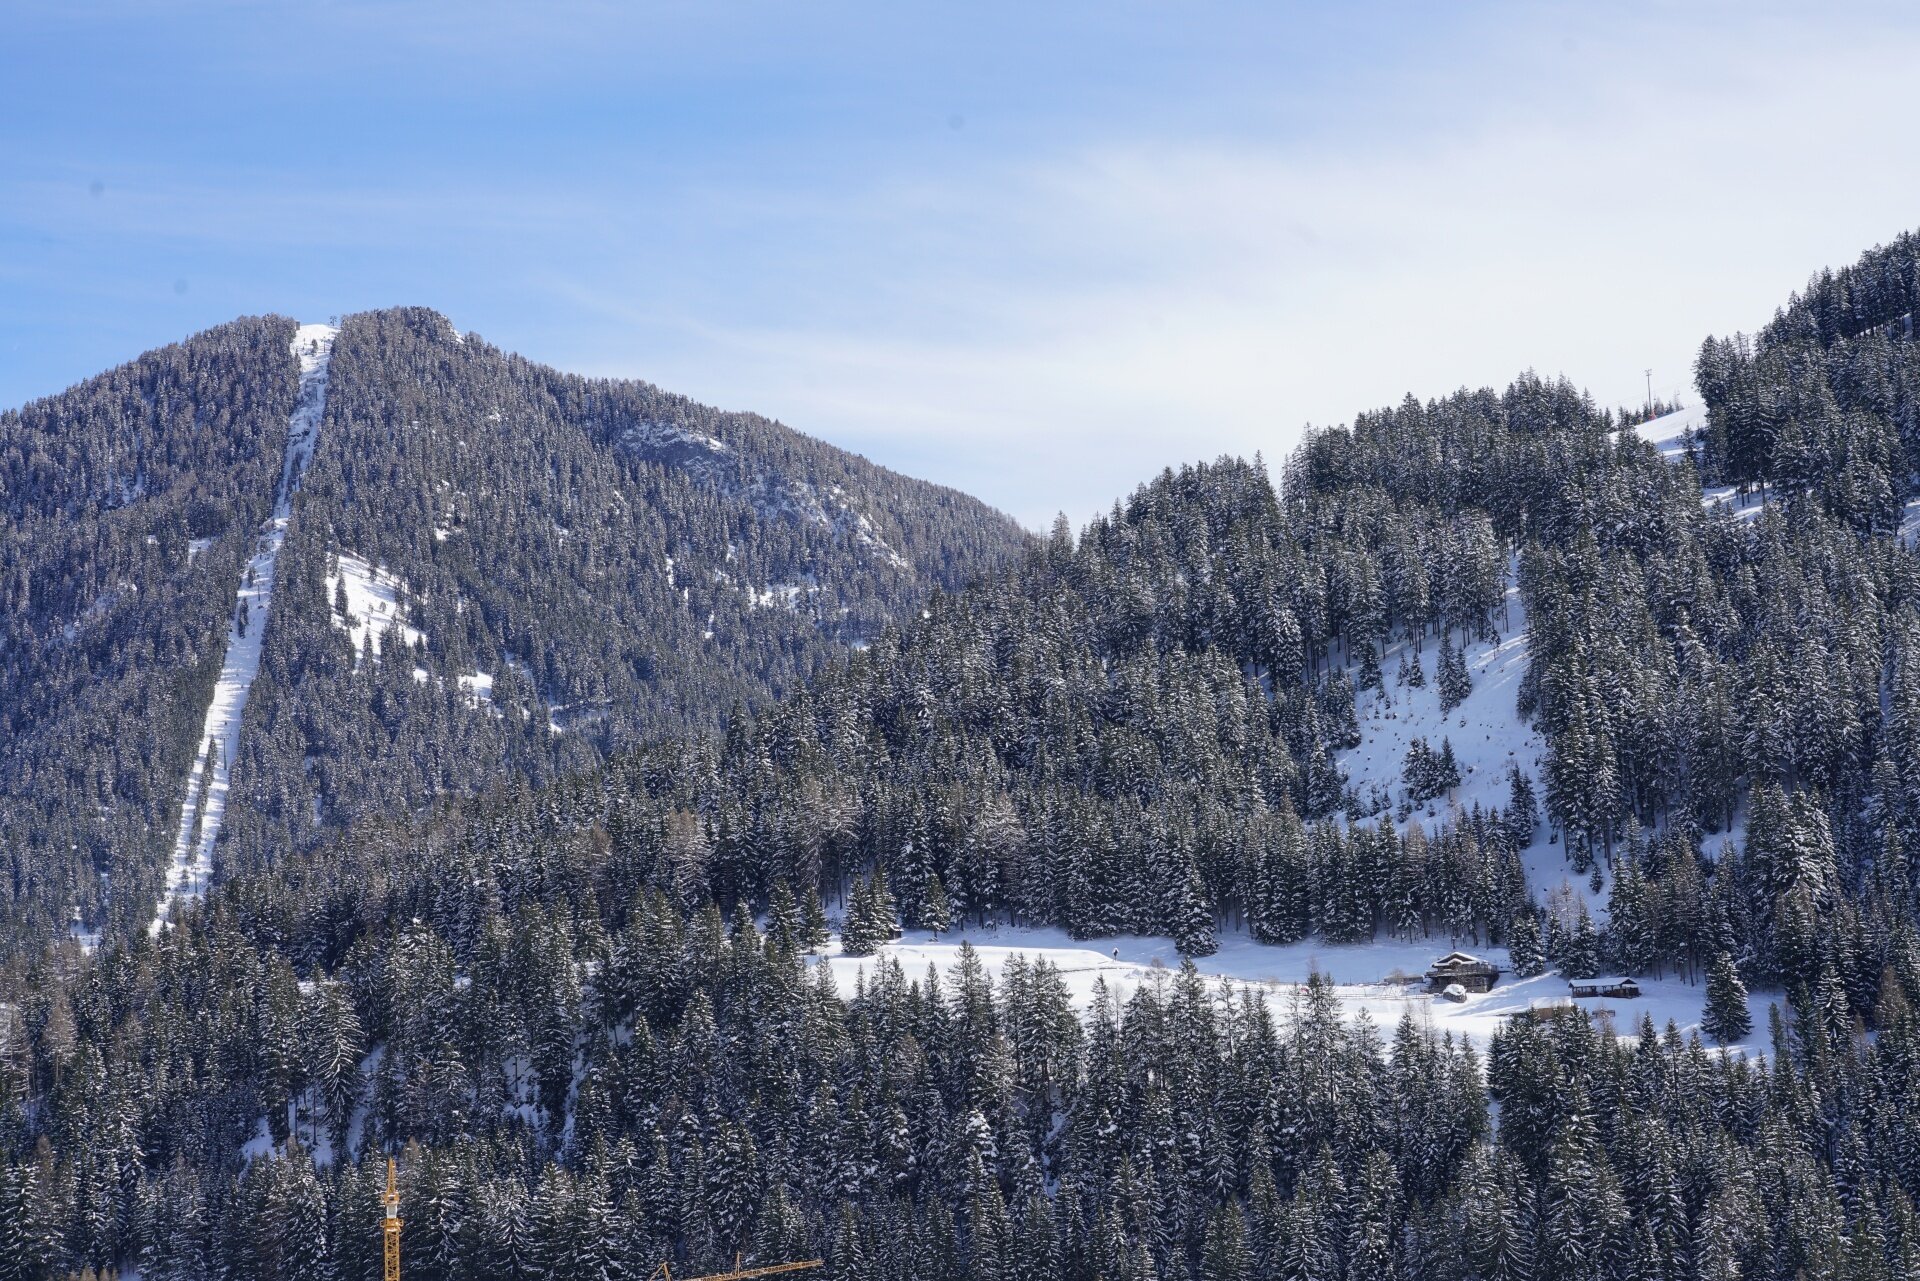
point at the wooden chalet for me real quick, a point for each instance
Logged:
(1470, 972)
(1610, 985)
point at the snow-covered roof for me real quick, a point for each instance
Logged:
(1605, 980)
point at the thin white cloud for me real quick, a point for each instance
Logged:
(1073, 290)
(1051, 333)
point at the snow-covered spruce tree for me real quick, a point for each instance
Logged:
(1452, 681)
(1193, 924)
(813, 916)
(784, 926)
(934, 913)
(859, 933)
(1580, 948)
(1523, 808)
(1725, 1018)
(1524, 946)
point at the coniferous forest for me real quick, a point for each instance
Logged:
(616, 564)
(753, 700)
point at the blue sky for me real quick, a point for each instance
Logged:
(1037, 252)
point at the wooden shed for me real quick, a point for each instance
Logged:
(1470, 972)
(1608, 985)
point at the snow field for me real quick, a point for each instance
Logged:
(1487, 734)
(1383, 981)
(1669, 433)
(373, 603)
(204, 806)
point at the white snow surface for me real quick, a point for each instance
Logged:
(373, 603)
(1487, 735)
(1367, 978)
(1669, 433)
(478, 686)
(204, 806)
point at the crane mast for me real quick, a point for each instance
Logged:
(390, 1226)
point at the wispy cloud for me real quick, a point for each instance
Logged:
(1054, 330)
(1037, 256)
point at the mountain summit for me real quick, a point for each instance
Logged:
(484, 569)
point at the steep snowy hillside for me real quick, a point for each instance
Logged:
(203, 808)
(191, 591)
(1485, 733)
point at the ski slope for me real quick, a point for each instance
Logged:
(204, 807)
(1672, 433)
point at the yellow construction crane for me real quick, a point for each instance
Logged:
(665, 1273)
(390, 1227)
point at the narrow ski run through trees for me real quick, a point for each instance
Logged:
(205, 803)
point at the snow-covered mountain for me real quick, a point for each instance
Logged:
(267, 581)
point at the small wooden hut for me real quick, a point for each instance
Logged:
(1470, 972)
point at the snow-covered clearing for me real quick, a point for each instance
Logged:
(1671, 433)
(1486, 733)
(1366, 977)
(204, 806)
(373, 603)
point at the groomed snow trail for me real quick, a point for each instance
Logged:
(204, 807)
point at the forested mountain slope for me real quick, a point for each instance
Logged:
(491, 568)
(1824, 400)
(127, 508)
(585, 1016)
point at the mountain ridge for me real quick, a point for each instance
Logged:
(539, 537)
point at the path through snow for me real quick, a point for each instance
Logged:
(204, 807)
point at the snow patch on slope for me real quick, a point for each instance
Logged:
(1486, 732)
(204, 806)
(478, 686)
(374, 596)
(1672, 433)
(1383, 981)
